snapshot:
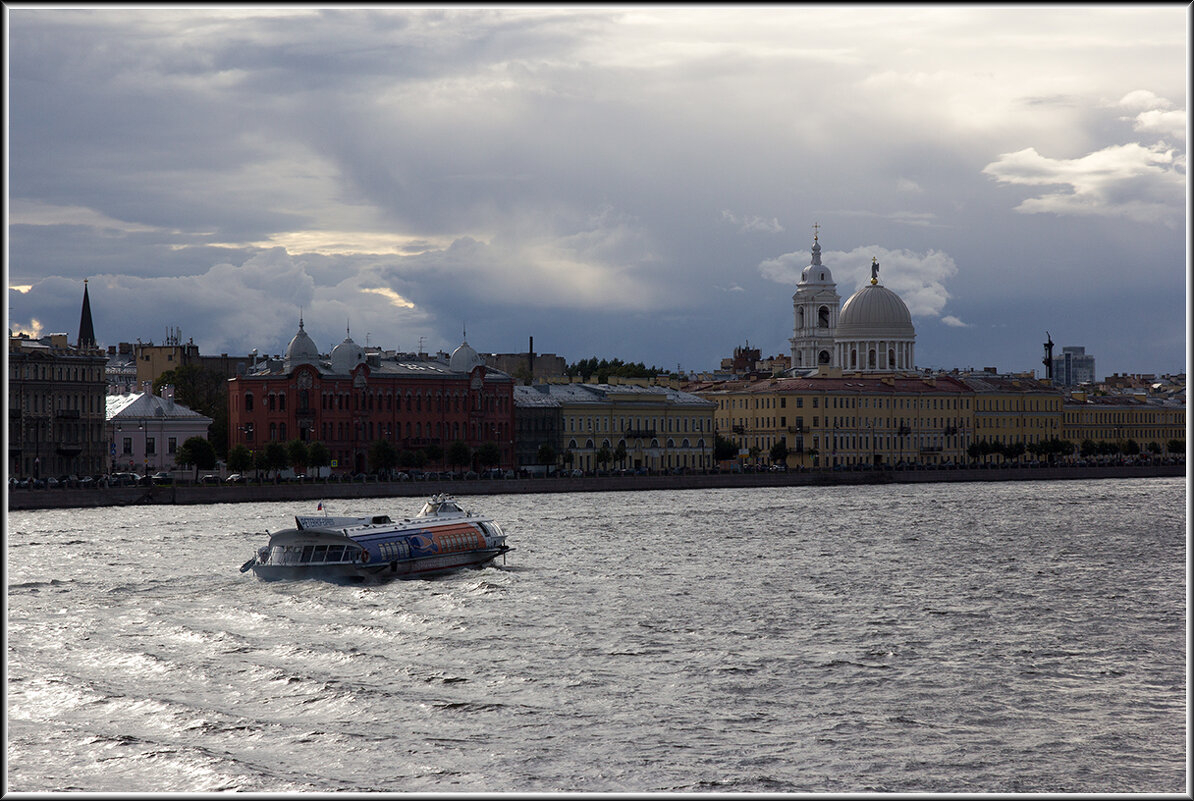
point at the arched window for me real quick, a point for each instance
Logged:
(249, 402)
(871, 359)
(823, 317)
(800, 317)
(891, 360)
(853, 358)
(823, 357)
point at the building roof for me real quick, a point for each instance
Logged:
(874, 312)
(868, 384)
(543, 395)
(138, 405)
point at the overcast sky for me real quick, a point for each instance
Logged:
(627, 181)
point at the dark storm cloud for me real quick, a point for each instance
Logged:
(619, 173)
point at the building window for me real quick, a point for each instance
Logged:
(128, 446)
(172, 445)
(150, 446)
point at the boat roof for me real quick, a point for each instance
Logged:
(437, 506)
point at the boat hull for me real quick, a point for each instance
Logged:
(424, 567)
(442, 538)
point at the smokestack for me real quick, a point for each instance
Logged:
(531, 360)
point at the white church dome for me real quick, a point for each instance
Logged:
(464, 359)
(346, 356)
(301, 350)
(874, 311)
(816, 272)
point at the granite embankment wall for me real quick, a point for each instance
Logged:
(197, 494)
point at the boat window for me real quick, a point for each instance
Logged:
(307, 551)
(320, 554)
(335, 553)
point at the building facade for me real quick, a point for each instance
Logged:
(646, 428)
(845, 420)
(56, 403)
(145, 431)
(350, 400)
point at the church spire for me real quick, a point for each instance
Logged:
(816, 245)
(86, 328)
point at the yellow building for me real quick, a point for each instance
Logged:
(1014, 410)
(1117, 419)
(849, 421)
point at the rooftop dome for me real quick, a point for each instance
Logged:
(464, 359)
(816, 272)
(347, 355)
(874, 311)
(301, 349)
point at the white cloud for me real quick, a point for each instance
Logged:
(954, 322)
(752, 223)
(918, 278)
(1154, 115)
(1145, 184)
(34, 212)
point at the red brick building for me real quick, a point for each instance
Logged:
(351, 400)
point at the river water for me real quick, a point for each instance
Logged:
(987, 637)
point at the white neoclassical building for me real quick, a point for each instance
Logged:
(871, 332)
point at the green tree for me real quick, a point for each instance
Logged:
(779, 452)
(620, 453)
(318, 455)
(489, 454)
(240, 459)
(1131, 447)
(199, 452)
(204, 391)
(459, 454)
(297, 455)
(275, 458)
(1175, 446)
(604, 456)
(432, 454)
(546, 456)
(723, 449)
(383, 457)
(408, 459)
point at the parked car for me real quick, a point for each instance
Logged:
(210, 479)
(235, 478)
(161, 478)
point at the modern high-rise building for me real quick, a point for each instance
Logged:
(1073, 367)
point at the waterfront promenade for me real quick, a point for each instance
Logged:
(60, 498)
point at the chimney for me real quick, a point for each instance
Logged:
(531, 360)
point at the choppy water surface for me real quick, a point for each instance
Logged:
(982, 637)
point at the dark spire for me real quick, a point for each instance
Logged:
(86, 329)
